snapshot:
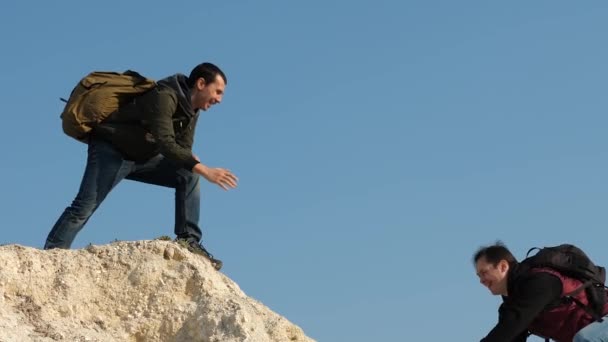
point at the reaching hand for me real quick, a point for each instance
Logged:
(222, 177)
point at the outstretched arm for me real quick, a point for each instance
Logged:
(521, 308)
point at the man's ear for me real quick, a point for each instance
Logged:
(503, 265)
(200, 83)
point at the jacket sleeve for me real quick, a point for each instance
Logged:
(517, 312)
(160, 109)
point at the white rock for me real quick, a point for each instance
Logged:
(128, 291)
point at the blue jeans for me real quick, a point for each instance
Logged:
(105, 169)
(594, 332)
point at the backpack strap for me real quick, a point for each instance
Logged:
(580, 289)
(531, 249)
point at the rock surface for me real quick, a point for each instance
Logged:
(128, 291)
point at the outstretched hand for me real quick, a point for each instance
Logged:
(222, 177)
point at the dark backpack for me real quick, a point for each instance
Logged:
(96, 96)
(571, 261)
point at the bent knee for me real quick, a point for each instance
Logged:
(189, 179)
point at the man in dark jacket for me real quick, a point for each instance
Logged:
(532, 301)
(150, 140)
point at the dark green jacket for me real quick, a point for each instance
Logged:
(161, 120)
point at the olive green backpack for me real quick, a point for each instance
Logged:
(98, 95)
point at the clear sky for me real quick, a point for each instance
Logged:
(378, 144)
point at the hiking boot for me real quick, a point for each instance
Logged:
(198, 248)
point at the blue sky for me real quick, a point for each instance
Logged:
(378, 144)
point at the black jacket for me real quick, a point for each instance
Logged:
(161, 120)
(529, 295)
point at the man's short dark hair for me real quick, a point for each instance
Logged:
(493, 254)
(206, 71)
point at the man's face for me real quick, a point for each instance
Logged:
(208, 94)
(494, 277)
